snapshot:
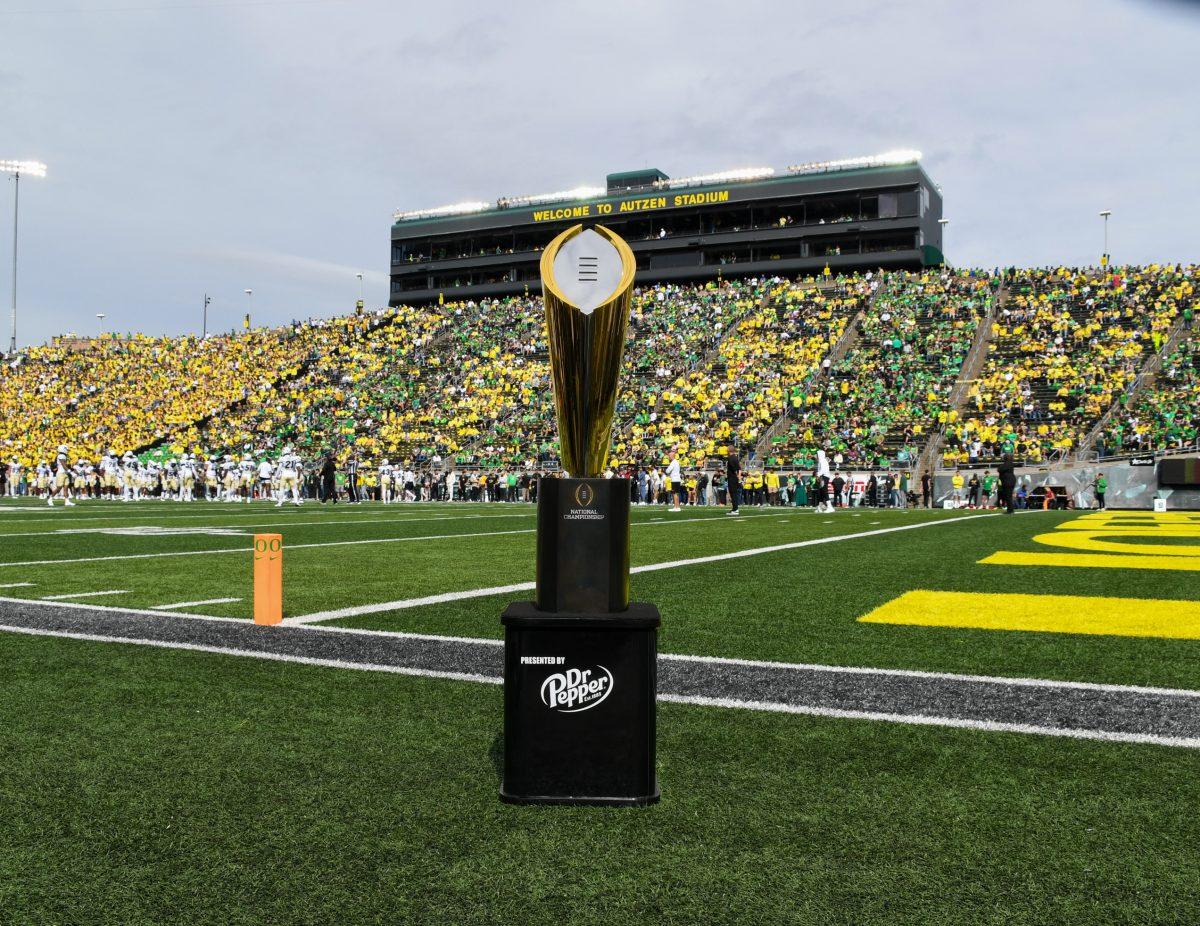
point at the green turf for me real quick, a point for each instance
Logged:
(147, 786)
(798, 605)
(144, 786)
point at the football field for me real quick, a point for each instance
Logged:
(866, 716)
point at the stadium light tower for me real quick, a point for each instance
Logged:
(943, 223)
(1104, 215)
(249, 296)
(361, 304)
(16, 168)
(101, 317)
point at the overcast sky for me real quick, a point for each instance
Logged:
(217, 146)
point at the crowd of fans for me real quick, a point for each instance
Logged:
(728, 364)
(1166, 415)
(123, 393)
(1065, 346)
(878, 404)
(735, 397)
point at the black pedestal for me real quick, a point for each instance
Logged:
(579, 664)
(579, 706)
(583, 545)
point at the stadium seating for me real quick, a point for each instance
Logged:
(740, 390)
(344, 400)
(126, 393)
(1166, 416)
(879, 402)
(1066, 345)
(864, 365)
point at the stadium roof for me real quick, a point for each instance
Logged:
(737, 175)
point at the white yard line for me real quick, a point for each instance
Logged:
(335, 543)
(278, 525)
(673, 657)
(264, 509)
(990, 726)
(274, 525)
(401, 604)
(256, 654)
(192, 604)
(113, 591)
(80, 606)
(246, 549)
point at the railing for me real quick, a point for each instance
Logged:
(967, 374)
(1152, 365)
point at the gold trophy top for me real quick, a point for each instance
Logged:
(587, 285)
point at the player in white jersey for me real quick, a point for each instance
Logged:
(229, 478)
(385, 482)
(62, 479)
(84, 476)
(152, 478)
(266, 472)
(210, 479)
(14, 478)
(131, 488)
(41, 482)
(187, 478)
(246, 471)
(108, 475)
(289, 476)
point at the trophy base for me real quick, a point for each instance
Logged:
(580, 706)
(583, 545)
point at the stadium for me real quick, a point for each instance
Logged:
(922, 535)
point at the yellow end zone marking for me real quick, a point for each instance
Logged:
(1093, 560)
(1124, 617)
(1104, 541)
(1115, 540)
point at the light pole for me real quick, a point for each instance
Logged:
(101, 316)
(1104, 259)
(943, 223)
(249, 294)
(16, 168)
(361, 304)
(204, 327)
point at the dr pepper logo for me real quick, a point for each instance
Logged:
(576, 690)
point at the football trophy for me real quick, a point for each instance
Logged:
(579, 660)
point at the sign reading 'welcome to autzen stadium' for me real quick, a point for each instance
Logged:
(645, 204)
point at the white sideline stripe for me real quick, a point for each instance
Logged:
(926, 720)
(256, 654)
(259, 510)
(59, 532)
(294, 546)
(114, 609)
(991, 726)
(112, 591)
(350, 543)
(19, 585)
(920, 673)
(446, 597)
(192, 604)
(673, 657)
(62, 532)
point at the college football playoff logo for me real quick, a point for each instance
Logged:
(584, 496)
